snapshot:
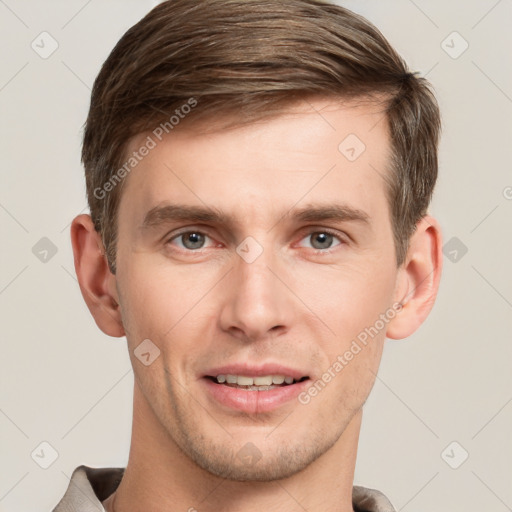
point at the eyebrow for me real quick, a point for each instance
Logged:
(166, 213)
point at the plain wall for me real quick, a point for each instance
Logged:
(64, 382)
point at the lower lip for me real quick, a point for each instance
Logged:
(254, 402)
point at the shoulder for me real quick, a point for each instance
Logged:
(365, 499)
(88, 487)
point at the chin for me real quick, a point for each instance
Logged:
(257, 471)
(276, 461)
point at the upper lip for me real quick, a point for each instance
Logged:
(250, 370)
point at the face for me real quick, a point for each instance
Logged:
(260, 252)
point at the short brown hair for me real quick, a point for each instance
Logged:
(249, 59)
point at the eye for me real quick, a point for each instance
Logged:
(195, 240)
(323, 239)
(190, 240)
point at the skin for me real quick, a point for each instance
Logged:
(297, 304)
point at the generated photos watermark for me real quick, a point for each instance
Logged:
(149, 143)
(355, 348)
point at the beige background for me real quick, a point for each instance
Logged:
(65, 383)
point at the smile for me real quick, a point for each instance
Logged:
(259, 383)
(254, 390)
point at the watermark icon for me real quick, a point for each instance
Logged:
(44, 45)
(146, 352)
(249, 454)
(44, 250)
(351, 147)
(454, 45)
(355, 348)
(150, 143)
(454, 249)
(44, 455)
(249, 249)
(507, 193)
(454, 455)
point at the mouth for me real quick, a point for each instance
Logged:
(259, 383)
(254, 390)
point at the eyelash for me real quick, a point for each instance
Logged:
(342, 240)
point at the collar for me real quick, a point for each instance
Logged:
(89, 487)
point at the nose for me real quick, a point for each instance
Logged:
(256, 302)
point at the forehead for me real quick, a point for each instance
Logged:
(316, 152)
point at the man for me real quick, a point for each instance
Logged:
(258, 174)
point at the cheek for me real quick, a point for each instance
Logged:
(347, 379)
(345, 299)
(171, 308)
(356, 305)
(156, 299)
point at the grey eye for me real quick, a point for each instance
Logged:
(192, 240)
(321, 240)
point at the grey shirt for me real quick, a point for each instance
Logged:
(88, 487)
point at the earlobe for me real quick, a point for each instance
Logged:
(418, 280)
(97, 283)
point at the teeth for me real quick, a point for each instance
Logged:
(264, 380)
(244, 381)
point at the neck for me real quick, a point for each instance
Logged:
(160, 477)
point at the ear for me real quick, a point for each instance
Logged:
(97, 283)
(418, 279)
